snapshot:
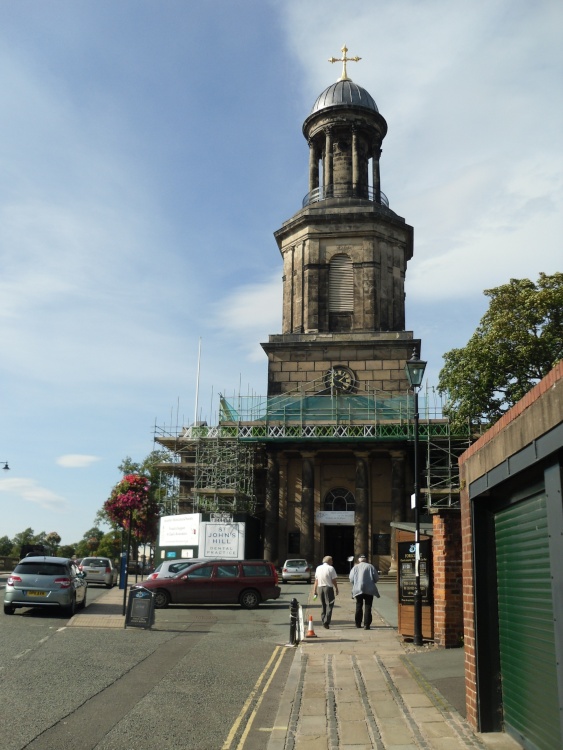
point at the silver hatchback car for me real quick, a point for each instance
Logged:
(296, 570)
(99, 570)
(47, 582)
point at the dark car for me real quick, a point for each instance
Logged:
(244, 582)
(47, 582)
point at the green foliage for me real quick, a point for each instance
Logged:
(89, 543)
(110, 545)
(6, 545)
(27, 536)
(52, 540)
(67, 550)
(518, 341)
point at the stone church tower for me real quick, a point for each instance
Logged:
(335, 486)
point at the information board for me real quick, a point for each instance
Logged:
(407, 571)
(140, 609)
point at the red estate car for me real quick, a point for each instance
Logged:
(246, 582)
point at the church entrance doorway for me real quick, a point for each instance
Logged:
(339, 544)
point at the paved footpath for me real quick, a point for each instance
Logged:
(352, 689)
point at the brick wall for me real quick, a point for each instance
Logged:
(447, 573)
(528, 410)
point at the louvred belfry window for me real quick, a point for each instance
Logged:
(341, 284)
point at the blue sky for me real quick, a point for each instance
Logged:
(150, 149)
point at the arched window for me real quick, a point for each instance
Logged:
(339, 499)
(340, 284)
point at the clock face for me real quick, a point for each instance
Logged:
(339, 378)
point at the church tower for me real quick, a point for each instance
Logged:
(339, 361)
(345, 256)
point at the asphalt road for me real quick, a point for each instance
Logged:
(204, 678)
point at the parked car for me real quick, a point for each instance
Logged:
(246, 582)
(99, 570)
(45, 582)
(170, 568)
(296, 570)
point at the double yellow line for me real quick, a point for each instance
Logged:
(279, 653)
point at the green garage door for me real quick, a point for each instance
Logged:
(526, 628)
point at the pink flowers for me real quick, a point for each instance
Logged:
(130, 498)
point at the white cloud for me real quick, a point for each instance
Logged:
(250, 313)
(76, 461)
(31, 491)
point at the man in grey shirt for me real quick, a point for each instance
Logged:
(363, 578)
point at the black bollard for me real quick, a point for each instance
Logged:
(293, 614)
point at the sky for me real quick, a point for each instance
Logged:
(149, 151)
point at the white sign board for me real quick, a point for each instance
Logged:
(179, 531)
(225, 540)
(335, 517)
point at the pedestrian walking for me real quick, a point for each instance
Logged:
(363, 578)
(326, 585)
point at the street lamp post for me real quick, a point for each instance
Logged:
(414, 370)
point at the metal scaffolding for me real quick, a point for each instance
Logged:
(217, 466)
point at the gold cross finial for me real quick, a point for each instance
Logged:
(344, 60)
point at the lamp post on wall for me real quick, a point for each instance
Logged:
(414, 370)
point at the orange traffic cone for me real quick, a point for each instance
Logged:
(310, 633)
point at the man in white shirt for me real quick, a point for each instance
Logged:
(326, 585)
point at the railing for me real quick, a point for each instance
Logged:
(345, 191)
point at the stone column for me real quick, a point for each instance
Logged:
(313, 167)
(283, 509)
(376, 175)
(307, 505)
(328, 172)
(361, 526)
(271, 510)
(398, 510)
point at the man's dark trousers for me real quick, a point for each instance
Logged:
(327, 600)
(362, 599)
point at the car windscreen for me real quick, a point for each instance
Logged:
(296, 564)
(41, 569)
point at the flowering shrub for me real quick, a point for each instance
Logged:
(130, 500)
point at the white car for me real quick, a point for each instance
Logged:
(99, 570)
(170, 568)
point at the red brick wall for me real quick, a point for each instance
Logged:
(468, 604)
(517, 411)
(447, 574)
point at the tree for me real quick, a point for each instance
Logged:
(89, 543)
(52, 540)
(28, 536)
(110, 545)
(6, 545)
(518, 341)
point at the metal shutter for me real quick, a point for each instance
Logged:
(341, 284)
(526, 627)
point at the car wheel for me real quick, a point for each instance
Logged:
(161, 599)
(109, 585)
(8, 609)
(249, 599)
(70, 611)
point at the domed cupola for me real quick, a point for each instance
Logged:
(347, 93)
(344, 132)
